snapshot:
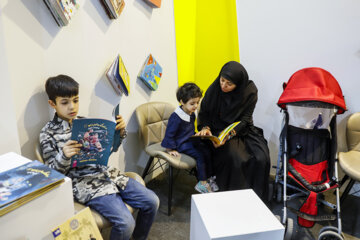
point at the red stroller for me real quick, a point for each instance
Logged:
(307, 163)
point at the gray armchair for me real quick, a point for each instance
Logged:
(153, 118)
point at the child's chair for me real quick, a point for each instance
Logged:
(153, 118)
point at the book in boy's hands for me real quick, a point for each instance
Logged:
(22, 184)
(151, 73)
(80, 226)
(222, 136)
(96, 136)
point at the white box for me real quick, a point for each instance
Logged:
(230, 215)
(35, 220)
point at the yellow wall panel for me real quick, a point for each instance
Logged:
(206, 43)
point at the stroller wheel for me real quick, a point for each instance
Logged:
(328, 228)
(278, 193)
(289, 229)
(330, 235)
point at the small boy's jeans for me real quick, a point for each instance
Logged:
(113, 208)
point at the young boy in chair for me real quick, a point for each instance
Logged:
(102, 188)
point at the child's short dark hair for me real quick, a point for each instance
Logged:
(61, 86)
(188, 91)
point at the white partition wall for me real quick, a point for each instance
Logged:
(279, 37)
(37, 48)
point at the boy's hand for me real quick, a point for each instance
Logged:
(71, 148)
(173, 152)
(120, 124)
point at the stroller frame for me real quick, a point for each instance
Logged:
(282, 175)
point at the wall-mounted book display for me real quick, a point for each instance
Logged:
(154, 3)
(151, 73)
(62, 10)
(113, 8)
(118, 76)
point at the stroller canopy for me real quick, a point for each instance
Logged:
(313, 84)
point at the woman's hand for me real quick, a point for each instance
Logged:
(120, 124)
(71, 148)
(173, 152)
(205, 131)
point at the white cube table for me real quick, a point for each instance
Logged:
(35, 220)
(230, 215)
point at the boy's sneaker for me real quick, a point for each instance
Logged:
(213, 185)
(203, 188)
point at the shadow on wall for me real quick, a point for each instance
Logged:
(143, 89)
(134, 158)
(35, 17)
(98, 14)
(36, 115)
(145, 8)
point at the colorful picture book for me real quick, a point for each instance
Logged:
(222, 136)
(62, 10)
(96, 136)
(113, 8)
(80, 226)
(118, 76)
(154, 3)
(26, 182)
(151, 73)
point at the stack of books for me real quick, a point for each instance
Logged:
(62, 10)
(26, 182)
(151, 73)
(119, 77)
(113, 8)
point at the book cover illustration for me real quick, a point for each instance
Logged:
(151, 73)
(96, 136)
(223, 134)
(80, 226)
(26, 182)
(118, 76)
(113, 8)
(123, 76)
(154, 3)
(62, 10)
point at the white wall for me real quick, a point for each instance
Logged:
(9, 141)
(37, 48)
(279, 37)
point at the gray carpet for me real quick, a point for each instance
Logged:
(177, 226)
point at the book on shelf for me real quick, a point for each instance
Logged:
(221, 137)
(151, 73)
(62, 10)
(118, 76)
(21, 184)
(81, 226)
(96, 136)
(154, 3)
(113, 8)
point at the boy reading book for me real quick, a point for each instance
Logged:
(100, 187)
(179, 130)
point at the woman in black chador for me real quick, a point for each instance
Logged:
(243, 160)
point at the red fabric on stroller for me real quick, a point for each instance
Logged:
(313, 84)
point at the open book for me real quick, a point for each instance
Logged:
(222, 136)
(22, 184)
(96, 136)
